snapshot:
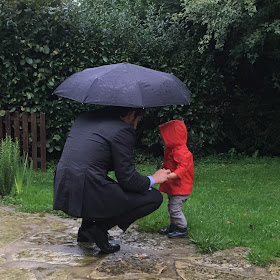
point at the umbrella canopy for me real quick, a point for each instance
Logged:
(125, 85)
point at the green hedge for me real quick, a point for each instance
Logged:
(43, 42)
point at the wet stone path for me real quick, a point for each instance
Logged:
(34, 247)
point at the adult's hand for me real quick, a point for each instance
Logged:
(161, 176)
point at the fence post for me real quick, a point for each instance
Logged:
(1, 128)
(25, 133)
(34, 139)
(43, 142)
(8, 123)
(17, 126)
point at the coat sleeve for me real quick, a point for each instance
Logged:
(122, 152)
(184, 164)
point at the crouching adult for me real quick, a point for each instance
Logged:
(99, 143)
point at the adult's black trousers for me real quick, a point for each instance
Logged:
(144, 204)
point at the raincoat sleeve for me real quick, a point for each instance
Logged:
(126, 174)
(184, 164)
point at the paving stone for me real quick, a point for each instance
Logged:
(7, 273)
(275, 269)
(52, 257)
(59, 274)
(132, 264)
(2, 259)
(195, 272)
(18, 223)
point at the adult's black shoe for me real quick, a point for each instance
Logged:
(82, 236)
(100, 236)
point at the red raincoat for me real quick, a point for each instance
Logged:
(177, 158)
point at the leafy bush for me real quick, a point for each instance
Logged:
(238, 45)
(227, 53)
(9, 156)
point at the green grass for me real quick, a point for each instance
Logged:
(37, 197)
(234, 203)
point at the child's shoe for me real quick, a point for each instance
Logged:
(179, 232)
(168, 229)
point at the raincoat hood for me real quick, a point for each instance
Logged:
(173, 133)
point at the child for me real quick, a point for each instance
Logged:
(179, 160)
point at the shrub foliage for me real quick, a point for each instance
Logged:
(227, 53)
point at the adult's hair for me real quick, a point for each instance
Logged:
(138, 111)
(123, 111)
(119, 111)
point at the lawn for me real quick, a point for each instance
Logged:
(234, 203)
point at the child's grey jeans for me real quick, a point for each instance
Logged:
(175, 204)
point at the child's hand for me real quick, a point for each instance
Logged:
(161, 176)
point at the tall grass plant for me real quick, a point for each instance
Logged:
(9, 157)
(23, 175)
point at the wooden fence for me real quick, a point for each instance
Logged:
(30, 131)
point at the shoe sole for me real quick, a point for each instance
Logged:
(87, 245)
(177, 236)
(109, 252)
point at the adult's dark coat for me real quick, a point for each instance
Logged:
(98, 144)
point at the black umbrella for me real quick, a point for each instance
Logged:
(125, 85)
